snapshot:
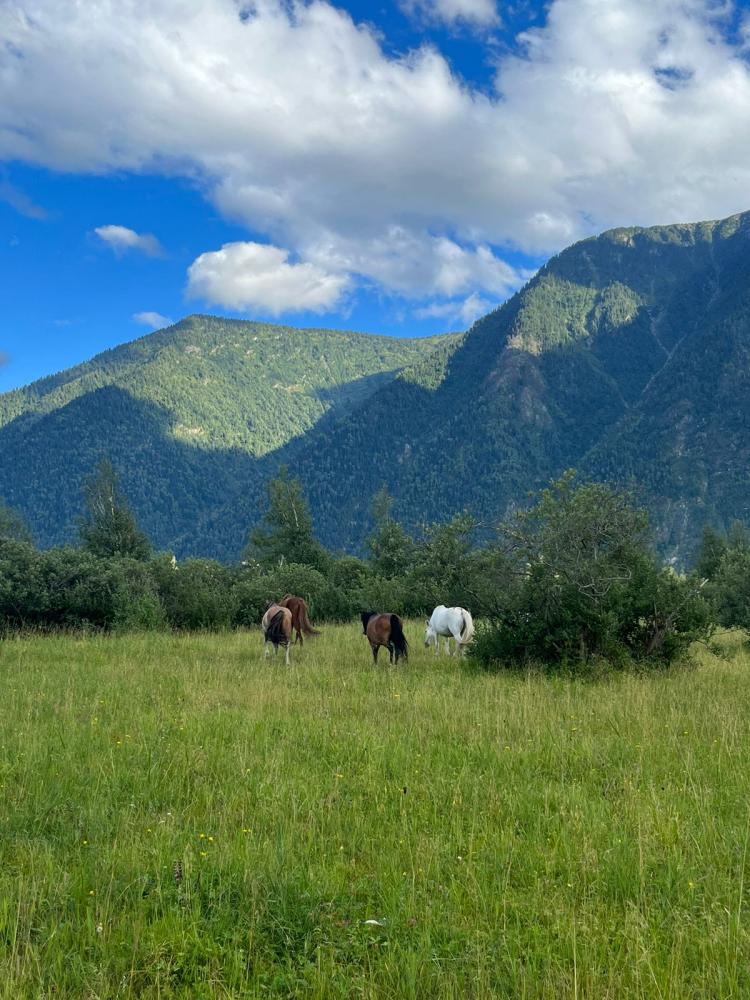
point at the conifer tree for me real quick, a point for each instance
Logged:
(109, 527)
(286, 532)
(12, 525)
(390, 547)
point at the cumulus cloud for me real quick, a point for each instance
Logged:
(300, 126)
(464, 312)
(120, 239)
(477, 12)
(253, 276)
(154, 320)
(416, 264)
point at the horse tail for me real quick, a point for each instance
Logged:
(467, 627)
(275, 631)
(400, 645)
(305, 622)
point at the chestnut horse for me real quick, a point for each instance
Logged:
(277, 629)
(300, 620)
(385, 630)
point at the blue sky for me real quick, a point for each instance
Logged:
(398, 167)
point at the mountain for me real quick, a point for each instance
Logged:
(185, 414)
(625, 357)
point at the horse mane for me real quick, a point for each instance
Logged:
(366, 616)
(400, 645)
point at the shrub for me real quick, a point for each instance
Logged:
(196, 594)
(21, 589)
(588, 585)
(730, 588)
(80, 589)
(254, 591)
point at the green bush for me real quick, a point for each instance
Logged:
(730, 588)
(80, 589)
(587, 584)
(21, 587)
(195, 594)
(255, 590)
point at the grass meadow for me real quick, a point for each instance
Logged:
(180, 818)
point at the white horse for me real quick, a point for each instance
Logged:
(451, 623)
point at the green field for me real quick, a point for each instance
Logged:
(181, 819)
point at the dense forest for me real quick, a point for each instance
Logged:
(570, 580)
(626, 357)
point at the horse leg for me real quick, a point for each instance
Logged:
(458, 642)
(265, 648)
(392, 652)
(286, 650)
(375, 650)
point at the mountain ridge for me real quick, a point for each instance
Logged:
(625, 356)
(208, 395)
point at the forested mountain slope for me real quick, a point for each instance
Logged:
(183, 414)
(626, 356)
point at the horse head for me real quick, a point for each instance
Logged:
(430, 635)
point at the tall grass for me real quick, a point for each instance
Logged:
(182, 819)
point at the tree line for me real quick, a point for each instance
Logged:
(569, 580)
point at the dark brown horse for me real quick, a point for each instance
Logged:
(277, 629)
(300, 619)
(385, 630)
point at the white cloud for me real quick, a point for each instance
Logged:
(120, 239)
(465, 312)
(253, 276)
(154, 320)
(477, 12)
(299, 126)
(416, 265)
(20, 201)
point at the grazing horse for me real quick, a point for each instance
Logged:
(300, 619)
(452, 623)
(385, 630)
(277, 629)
